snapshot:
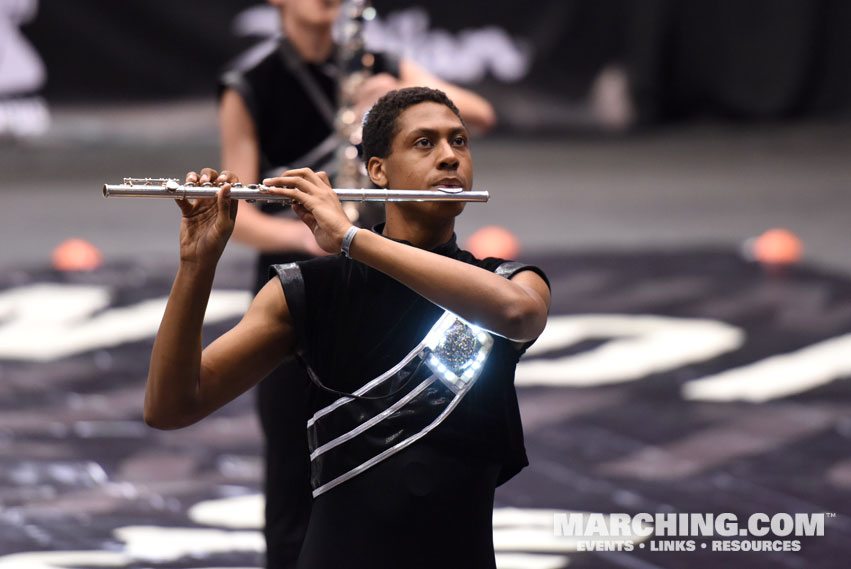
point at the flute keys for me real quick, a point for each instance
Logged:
(147, 181)
(253, 187)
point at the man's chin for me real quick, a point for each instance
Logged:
(435, 209)
(448, 209)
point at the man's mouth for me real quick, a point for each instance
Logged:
(448, 183)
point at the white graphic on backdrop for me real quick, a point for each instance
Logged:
(523, 539)
(260, 21)
(47, 321)
(638, 346)
(781, 375)
(21, 69)
(22, 73)
(465, 56)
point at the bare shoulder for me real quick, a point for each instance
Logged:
(257, 344)
(232, 105)
(270, 304)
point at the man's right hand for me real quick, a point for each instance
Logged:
(207, 223)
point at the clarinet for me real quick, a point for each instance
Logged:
(356, 66)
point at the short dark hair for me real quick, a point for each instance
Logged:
(379, 124)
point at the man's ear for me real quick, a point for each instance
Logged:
(375, 168)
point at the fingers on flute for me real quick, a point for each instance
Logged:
(317, 178)
(303, 185)
(227, 177)
(300, 172)
(309, 175)
(208, 175)
(286, 187)
(184, 205)
(226, 206)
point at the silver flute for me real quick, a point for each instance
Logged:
(172, 188)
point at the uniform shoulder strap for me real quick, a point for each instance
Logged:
(292, 282)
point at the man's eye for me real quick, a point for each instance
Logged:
(460, 141)
(423, 142)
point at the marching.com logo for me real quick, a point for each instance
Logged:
(626, 532)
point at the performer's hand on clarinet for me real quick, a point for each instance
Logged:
(316, 204)
(207, 223)
(371, 90)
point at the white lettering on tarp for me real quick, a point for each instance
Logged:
(530, 561)
(24, 116)
(466, 56)
(64, 559)
(259, 21)
(168, 544)
(638, 346)
(642, 345)
(21, 68)
(778, 376)
(523, 539)
(48, 321)
(235, 512)
(144, 543)
(22, 73)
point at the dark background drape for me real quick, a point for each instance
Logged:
(759, 59)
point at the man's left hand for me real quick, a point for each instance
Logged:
(316, 204)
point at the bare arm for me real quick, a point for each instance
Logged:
(241, 155)
(184, 383)
(475, 109)
(516, 308)
(477, 112)
(240, 147)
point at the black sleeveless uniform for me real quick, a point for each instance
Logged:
(428, 501)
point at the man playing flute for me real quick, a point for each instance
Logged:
(410, 342)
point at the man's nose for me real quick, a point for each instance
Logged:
(446, 155)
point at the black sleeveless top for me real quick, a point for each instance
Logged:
(354, 323)
(285, 97)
